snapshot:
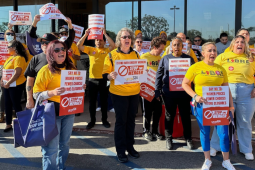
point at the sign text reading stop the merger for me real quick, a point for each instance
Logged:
(72, 101)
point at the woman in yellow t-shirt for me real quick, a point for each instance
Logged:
(125, 97)
(240, 67)
(48, 84)
(14, 83)
(207, 73)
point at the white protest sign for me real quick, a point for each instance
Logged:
(78, 32)
(20, 18)
(7, 75)
(96, 23)
(50, 11)
(151, 76)
(147, 90)
(216, 109)
(4, 54)
(196, 47)
(130, 71)
(146, 46)
(177, 71)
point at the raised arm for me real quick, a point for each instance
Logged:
(111, 42)
(32, 29)
(81, 41)
(71, 33)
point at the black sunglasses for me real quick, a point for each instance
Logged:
(9, 33)
(197, 40)
(45, 42)
(125, 37)
(57, 50)
(64, 33)
(139, 42)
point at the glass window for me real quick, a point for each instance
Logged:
(248, 17)
(209, 18)
(4, 14)
(157, 16)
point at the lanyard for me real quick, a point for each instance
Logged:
(8, 62)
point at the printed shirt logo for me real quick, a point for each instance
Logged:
(231, 68)
(212, 73)
(153, 63)
(237, 61)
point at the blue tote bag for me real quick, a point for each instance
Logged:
(35, 127)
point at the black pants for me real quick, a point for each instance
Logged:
(12, 97)
(95, 86)
(184, 110)
(154, 107)
(125, 110)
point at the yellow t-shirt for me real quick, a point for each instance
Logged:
(96, 60)
(125, 89)
(29, 56)
(205, 75)
(76, 52)
(167, 44)
(152, 61)
(228, 49)
(238, 67)
(46, 81)
(17, 62)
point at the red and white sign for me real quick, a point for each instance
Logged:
(96, 22)
(216, 110)
(78, 32)
(7, 75)
(253, 49)
(196, 47)
(50, 11)
(20, 18)
(184, 48)
(130, 71)
(4, 54)
(177, 71)
(147, 89)
(146, 46)
(72, 101)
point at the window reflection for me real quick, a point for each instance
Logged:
(248, 17)
(5, 6)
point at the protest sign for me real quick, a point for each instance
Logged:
(147, 89)
(177, 71)
(184, 48)
(216, 109)
(50, 11)
(96, 22)
(20, 18)
(78, 32)
(146, 46)
(130, 71)
(72, 100)
(7, 75)
(4, 54)
(196, 47)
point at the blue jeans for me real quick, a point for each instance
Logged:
(205, 132)
(244, 110)
(56, 152)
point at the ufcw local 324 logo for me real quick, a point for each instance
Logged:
(71, 101)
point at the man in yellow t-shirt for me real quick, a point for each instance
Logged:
(155, 106)
(96, 82)
(163, 35)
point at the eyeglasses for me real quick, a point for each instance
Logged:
(9, 46)
(9, 33)
(197, 40)
(57, 50)
(139, 42)
(125, 37)
(45, 42)
(64, 33)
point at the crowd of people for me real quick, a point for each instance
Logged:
(40, 76)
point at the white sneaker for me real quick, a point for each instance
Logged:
(227, 164)
(213, 152)
(98, 109)
(112, 110)
(249, 156)
(207, 164)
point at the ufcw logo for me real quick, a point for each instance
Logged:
(212, 73)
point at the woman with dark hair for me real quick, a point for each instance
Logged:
(18, 62)
(48, 84)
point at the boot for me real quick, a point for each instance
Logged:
(2, 117)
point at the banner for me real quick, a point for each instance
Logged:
(96, 22)
(49, 11)
(78, 32)
(34, 47)
(184, 48)
(177, 71)
(130, 71)
(147, 90)
(20, 18)
(7, 75)
(196, 47)
(72, 101)
(216, 110)
(4, 54)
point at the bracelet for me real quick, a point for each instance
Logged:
(194, 98)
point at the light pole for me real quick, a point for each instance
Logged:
(174, 8)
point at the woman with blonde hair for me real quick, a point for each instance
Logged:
(125, 97)
(240, 67)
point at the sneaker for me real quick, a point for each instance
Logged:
(249, 156)
(157, 136)
(98, 109)
(106, 124)
(112, 110)
(147, 135)
(227, 164)
(78, 114)
(122, 158)
(213, 152)
(190, 144)
(134, 154)
(90, 125)
(207, 164)
(169, 144)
